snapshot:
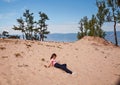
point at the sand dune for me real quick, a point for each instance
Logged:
(93, 61)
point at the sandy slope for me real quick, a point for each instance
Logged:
(92, 60)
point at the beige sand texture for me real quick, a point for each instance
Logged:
(93, 61)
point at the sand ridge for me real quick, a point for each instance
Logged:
(93, 60)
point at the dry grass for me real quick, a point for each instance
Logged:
(50, 46)
(23, 65)
(40, 44)
(59, 47)
(4, 56)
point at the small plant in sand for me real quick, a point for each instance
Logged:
(16, 42)
(28, 45)
(18, 55)
(42, 59)
(2, 48)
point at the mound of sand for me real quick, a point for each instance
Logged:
(94, 61)
(97, 40)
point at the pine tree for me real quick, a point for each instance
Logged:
(101, 15)
(26, 25)
(42, 29)
(30, 28)
(84, 26)
(21, 27)
(90, 28)
(114, 14)
(29, 21)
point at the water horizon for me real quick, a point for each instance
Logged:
(72, 37)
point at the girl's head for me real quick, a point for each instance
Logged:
(53, 56)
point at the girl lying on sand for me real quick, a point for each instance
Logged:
(57, 65)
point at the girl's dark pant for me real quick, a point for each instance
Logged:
(63, 67)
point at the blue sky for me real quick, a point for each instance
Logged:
(64, 14)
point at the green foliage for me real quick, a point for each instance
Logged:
(93, 26)
(30, 28)
(90, 28)
(102, 12)
(42, 26)
(5, 33)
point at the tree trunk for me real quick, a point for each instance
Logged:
(23, 35)
(41, 37)
(115, 34)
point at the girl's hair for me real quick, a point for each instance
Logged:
(53, 55)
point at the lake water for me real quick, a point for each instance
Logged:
(71, 37)
(110, 37)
